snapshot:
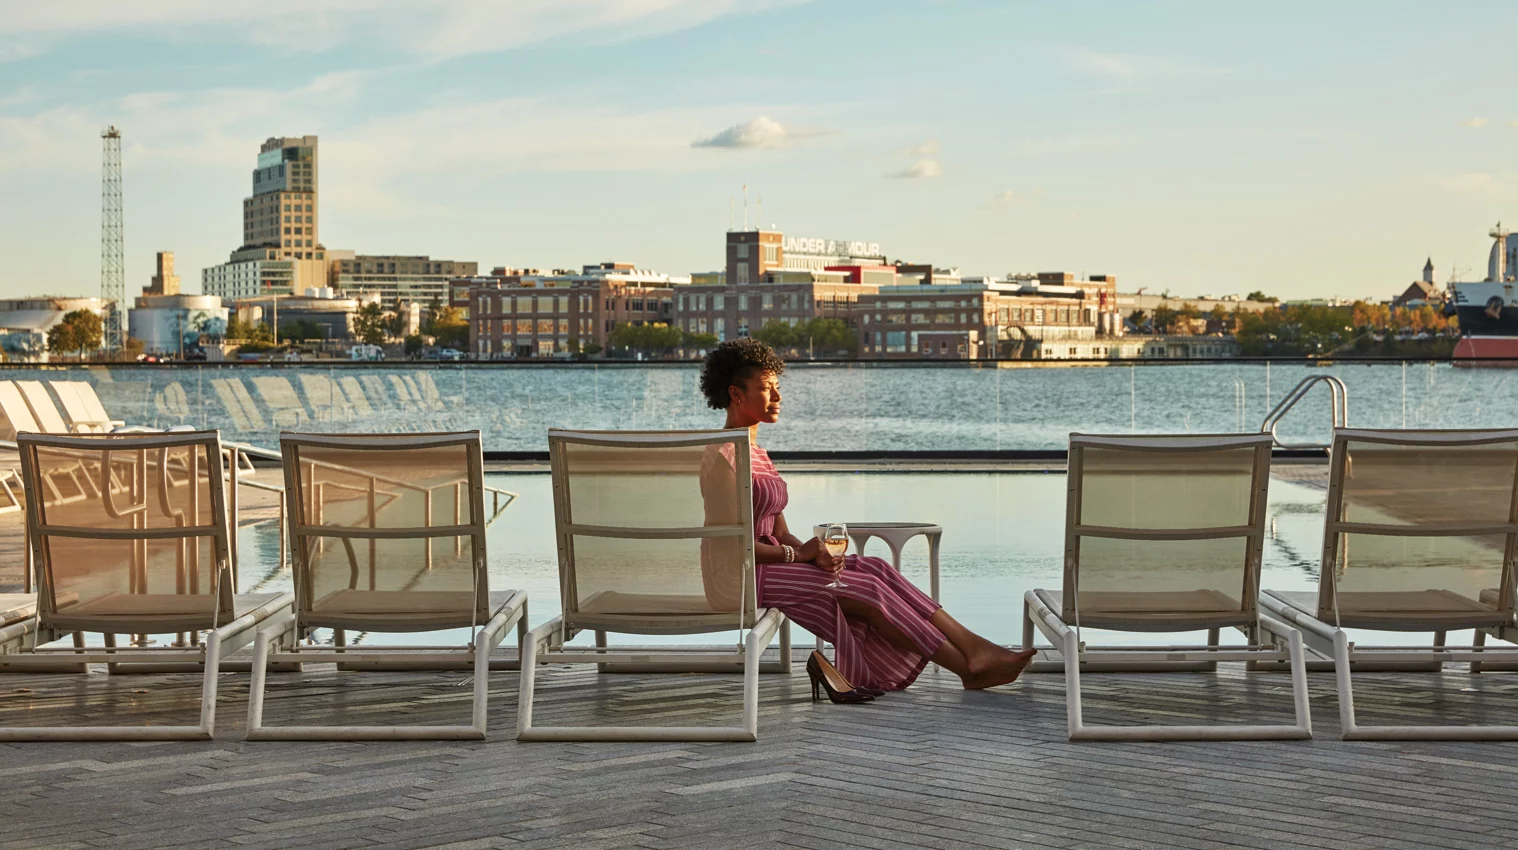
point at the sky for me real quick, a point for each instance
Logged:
(1305, 149)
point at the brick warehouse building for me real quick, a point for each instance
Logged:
(1051, 316)
(545, 315)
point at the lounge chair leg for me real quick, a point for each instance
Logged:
(1027, 626)
(601, 644)
(1477, 641)
(751, 682)
(1346, 688)
(785, 646)
(1072, 652)
(1213, 636)
(208, 687)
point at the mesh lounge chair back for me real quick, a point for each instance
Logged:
(42, 407)
(147, 550)
(655, 530)
(1421, 530)
(80, 416)
(389, 530)
(18, 417)
(1164, 533)
(91, 399)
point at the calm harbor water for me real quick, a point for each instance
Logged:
(827, 407)
(1002, 537)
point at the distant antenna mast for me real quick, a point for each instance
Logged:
(112, 241)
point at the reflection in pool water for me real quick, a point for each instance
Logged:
(1003, 534)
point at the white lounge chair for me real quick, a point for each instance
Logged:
(147, 558)
(1164, 534)
(648, 545)
(388, 534)
(1421, 535)
(44, 412)
(18, 616)
(82, 408)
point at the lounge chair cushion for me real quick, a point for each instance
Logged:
(15, 607)
(1142, 610)
(396, 602)
(139, 604)
(1402, 610)
(613, 602)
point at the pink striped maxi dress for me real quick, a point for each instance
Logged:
(862, 655)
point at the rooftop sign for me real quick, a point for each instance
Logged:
(831, 247)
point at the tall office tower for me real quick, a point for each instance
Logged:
(112, 249)
(165, 282)
(281, 213)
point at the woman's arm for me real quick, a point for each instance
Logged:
(783, 532)
(809, 552)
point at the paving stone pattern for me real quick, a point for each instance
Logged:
(933, 767)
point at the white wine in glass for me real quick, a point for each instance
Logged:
(836, 539)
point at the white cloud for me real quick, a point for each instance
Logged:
(761, 132)
(430, 28)
(927, 148)
(16, 51)
(1474, 123)
(1482, 185)
(1126, 72)
(922, 169)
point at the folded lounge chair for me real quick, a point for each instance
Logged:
(651, 543)
(1164, 534)
(388, 533)
(147, 557)
(1421, 536)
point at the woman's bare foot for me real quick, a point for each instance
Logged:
(990, 656)
(1004, 671)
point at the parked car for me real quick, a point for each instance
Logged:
(450, 354)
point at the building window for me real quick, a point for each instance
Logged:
(545, 327)
(563, 303)
(771, 255)
(563, 327)
(742, 251)
(767, 301)
(719, 327)
(524, 327)
(545, 303)
(743, 302)
(743, 273)
(682, 303)
(718, 302)
(896, 341)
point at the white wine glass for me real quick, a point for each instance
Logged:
(836, 539)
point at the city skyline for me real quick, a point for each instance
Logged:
(1302, 151)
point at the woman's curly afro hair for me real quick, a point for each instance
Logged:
(732, 363)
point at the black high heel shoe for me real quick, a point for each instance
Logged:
(825, 677)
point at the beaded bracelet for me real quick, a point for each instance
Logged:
(790, 553)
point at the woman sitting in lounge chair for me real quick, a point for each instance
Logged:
(884, 628)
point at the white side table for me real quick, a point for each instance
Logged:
(895, 535)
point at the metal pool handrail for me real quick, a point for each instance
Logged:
(1339, 398)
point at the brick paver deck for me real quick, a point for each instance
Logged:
(932, 767)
